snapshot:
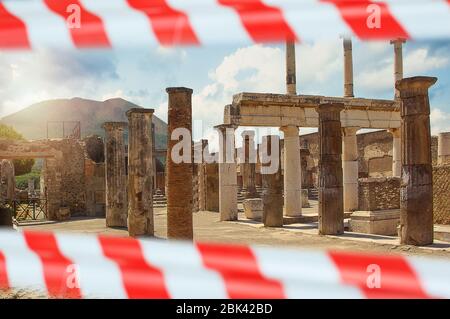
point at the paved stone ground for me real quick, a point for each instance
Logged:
(207, 227)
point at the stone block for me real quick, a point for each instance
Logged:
(64, 213)
(253, 208)
(305, 202)
(378, 222)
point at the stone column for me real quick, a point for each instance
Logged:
(444, 148)
(348, 68)
(416, 191)
(249, 165)
(116, 179)
(304, 153)
(350, 168)
(396, 152)
(291, 81)
(179, 175)
(140, 172)
(272, 183)
(203, 144)
(227, 174)
(154, 156)
(398, 63)
(292, 172)
(331, 205)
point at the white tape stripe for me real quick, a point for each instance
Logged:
(304, 274)
(312, 20)
(422, 20)
(183, 270)
(124, 25)
(45, 28)
(98, 276)
(212, 22)
(24, 267)
(434, 276)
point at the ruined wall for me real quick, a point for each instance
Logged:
(379, 193)
(212, 187)
(434, 149)
(441, 194)
(69, 172)
(7, 180)
(95, 188)
(375, 154)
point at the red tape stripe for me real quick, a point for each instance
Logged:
(13, 32)
(4, 284)
(361, 16)
(264, 23)
(240, 272)
(57, 272)
(91, 31)
(379, 276)
(140, 279)
(169, 25)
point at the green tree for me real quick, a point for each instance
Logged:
(21, 166)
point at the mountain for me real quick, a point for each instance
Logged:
(32, 121)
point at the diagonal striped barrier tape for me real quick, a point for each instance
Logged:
(29, 24)
(86, 266)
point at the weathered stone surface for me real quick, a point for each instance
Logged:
(7, 180)
(292, 176)
(95, 148)
(379, 193)
(305, 202)
(398, 64)
(253, 208)
(140, 159)
(249, 165)
(276, 110)
(331, 206)
(396, 152)
(416, 194)
(441, 194)
(350, 168)
(444, 148)
(227, 174)
(272, 187)
(63, 213)
(212, 187)
(291, 78)
(179, 175)
(380, 222)
(95, 188)
(116, 180)
(348, 68)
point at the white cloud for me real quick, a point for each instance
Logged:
(440, 121)
(381, 75)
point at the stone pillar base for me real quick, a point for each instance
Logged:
(377, 222)
(253, 208)
(305, 202)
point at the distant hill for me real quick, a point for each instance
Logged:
(31, 122)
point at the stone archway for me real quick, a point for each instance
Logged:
(51, 183)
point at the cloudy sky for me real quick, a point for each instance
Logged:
(216, 73)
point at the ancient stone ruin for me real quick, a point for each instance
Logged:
(390, 182)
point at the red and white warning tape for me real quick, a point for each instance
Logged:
(26, 24)
(77, 266)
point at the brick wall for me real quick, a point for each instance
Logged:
(379, 193)
(441, 194)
